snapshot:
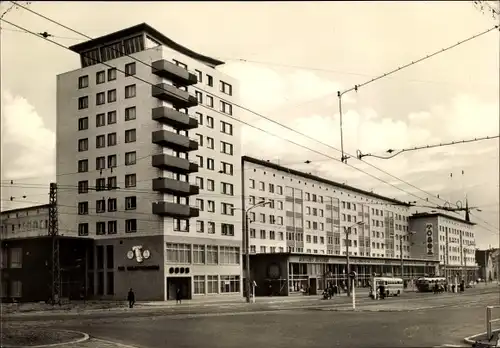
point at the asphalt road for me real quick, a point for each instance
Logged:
(290, 325)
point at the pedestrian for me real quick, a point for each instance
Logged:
(131, 298)
(178, 296)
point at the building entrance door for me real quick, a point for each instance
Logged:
(182, 283)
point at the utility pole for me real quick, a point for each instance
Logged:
(401, 255)
(347, 231)
(54, 234)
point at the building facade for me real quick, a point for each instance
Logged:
(146, 151)
(487, 262)
(26, 257)
(317, 222)
(447, 239)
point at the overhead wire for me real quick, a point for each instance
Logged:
(273, 121)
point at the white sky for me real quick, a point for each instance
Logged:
(452, 96)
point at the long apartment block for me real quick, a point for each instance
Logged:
(146, 154)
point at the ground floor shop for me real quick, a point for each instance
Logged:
(454, 274)
(286, 274)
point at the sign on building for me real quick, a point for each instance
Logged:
(429, 233)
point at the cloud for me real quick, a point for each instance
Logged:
(27, 145)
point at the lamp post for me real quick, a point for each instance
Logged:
(348, 266)
(246, 238)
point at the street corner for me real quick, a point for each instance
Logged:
(28, 336)
(482, 337)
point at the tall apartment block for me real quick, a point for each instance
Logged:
(146, 158)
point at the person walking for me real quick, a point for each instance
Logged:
(131, 298)
(178, 296)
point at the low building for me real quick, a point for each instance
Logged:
(448, 240)
(26, 257)
(487, 262)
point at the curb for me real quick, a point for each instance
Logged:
(472, 339)
(383, 310)
(78, 340)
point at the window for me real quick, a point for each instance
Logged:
(112, 182)
(226, 88)
(226, 168)
(83, 103)
(83, 144)
(227, 209)
(200, 204)
(130, 113)
(210, 185)
(100, 184)
(227, 229)
(100, 120)
(130, 135)
(111, 74)
(100, 228)
(178, 253)
(199, 97)
(181, 225)
(226, 128)
(83, 166)
(252, 183)
(199, 116)
(100, 163)
(130, 91)
(83, 81)
(83, 186)
(211, 206)
(112, 227)
(112, 139)
(226, 108)
(129, 69)
(83, 123)
(200, 227)
(229, 284)
(112, 96)
(111, 117)
(182, 65)
(212, 284)
(100, 141)
(200, 139)
(210, 143)
(100, 77)
(130, 180)
(83, 208)
(112, 161)
(199, 285)
(130, 158)
(83, 229)
(227, 188)
(229, 255)
(199, 182)
(226, 148)
(112, 204)
(130, 226)
(198, 254)
(262, 186)
(211, 227)
(16, 258)
(210, 122)
(130, 203)
(200, 160)
(100, 98)
(210, 80)
(210, 164)
(210, 101)
(199, 75)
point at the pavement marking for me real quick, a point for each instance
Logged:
(472, 339)
(79, 340)
(121, 345)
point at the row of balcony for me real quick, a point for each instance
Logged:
(181, 121)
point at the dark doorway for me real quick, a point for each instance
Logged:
(183, 283)
(313, 286)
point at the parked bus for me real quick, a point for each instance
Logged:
(427, 284)
(393, 286)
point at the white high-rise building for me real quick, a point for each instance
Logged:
(146, 166)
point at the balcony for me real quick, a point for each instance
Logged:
(171, 94)
(174, 73)
(178, 188)
(174, 164)
(175, 210)
(174, 141)
(174, 118)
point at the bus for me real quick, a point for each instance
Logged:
(427, 284)
(393, 286)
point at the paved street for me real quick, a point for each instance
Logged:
(410, 322)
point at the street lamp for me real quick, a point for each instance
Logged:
(347, 231)
(246, 238)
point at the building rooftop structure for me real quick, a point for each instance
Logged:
(455, 218)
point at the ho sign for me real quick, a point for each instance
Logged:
(429, 241)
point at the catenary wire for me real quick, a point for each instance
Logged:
(273, 121)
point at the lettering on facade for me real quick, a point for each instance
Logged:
(139, 253)
(429, 233)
